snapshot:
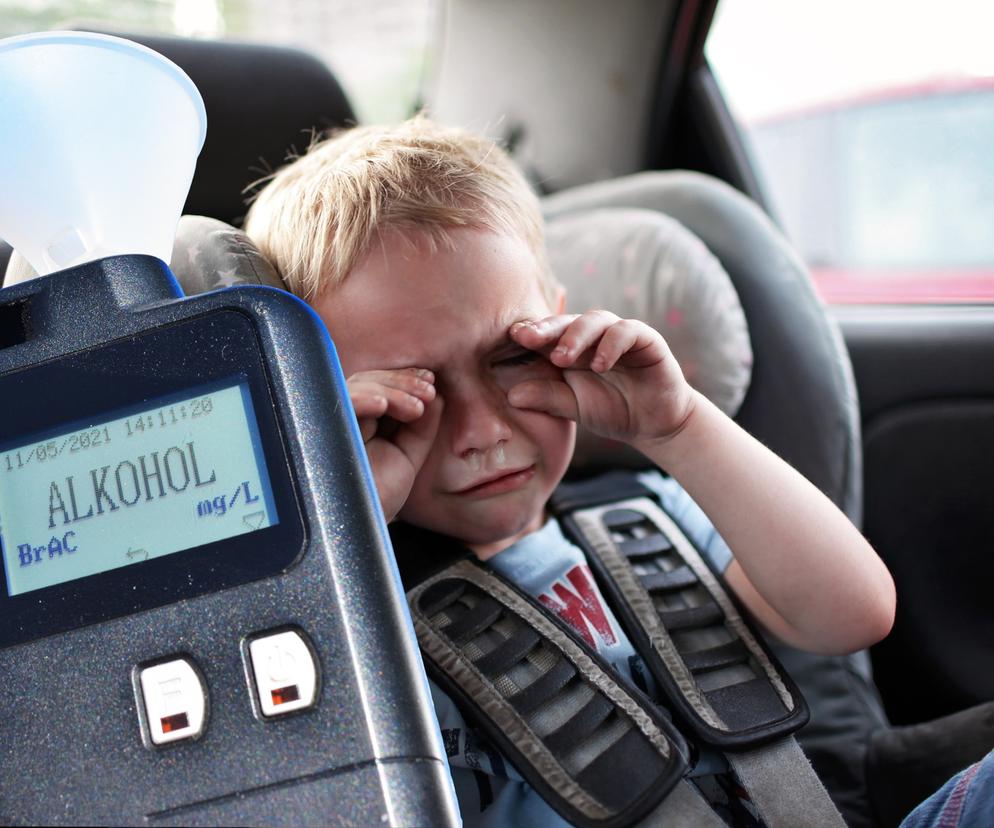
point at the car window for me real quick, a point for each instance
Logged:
(380, 51)
(870, 127)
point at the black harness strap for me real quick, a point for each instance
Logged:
(714, 668)
(596, 751)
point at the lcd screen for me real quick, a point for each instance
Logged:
(174, 473)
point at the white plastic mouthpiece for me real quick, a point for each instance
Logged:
(98, 143)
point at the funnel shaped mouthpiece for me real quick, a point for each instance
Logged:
(99, 138)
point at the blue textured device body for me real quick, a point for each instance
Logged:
(92, 355)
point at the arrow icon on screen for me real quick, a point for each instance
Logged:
(134, 554)
(254, 520)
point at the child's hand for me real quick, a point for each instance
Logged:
(398, 414)
(620, 379)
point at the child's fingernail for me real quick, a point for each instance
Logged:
(560, 350)
(426, 375)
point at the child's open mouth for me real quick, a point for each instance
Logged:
(506, 482)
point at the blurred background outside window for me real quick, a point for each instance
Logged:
(379, 51)
(871, 125)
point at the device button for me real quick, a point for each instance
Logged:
(286, 675)
(175, 700)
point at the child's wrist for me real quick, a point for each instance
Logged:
(679, 441)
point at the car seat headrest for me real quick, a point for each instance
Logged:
(802, 402)
(209, 254)
(641, 264)
(263, 103)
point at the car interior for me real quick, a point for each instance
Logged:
(887, 410)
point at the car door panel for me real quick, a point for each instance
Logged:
(927, 408)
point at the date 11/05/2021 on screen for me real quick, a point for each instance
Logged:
(99, 436)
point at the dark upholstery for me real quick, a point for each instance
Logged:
(262, 103)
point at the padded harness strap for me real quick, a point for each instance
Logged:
(714, 669)
(712, 665)
(600, 755)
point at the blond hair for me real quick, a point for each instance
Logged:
(319, 215)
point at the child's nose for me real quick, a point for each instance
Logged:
(478, 423)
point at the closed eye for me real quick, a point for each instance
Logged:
(523, 357)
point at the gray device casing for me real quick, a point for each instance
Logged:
(368, 753)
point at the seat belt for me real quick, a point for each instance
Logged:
(597, 750)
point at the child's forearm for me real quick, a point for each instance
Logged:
(800, 566)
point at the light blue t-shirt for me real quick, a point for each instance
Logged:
(548, 566)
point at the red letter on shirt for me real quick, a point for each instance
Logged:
(581, 609)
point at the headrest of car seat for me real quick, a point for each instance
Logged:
(209, 254)
(802, 400)
(635, 263)
(643, 265)
(263, 102)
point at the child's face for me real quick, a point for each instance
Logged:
(491, 467)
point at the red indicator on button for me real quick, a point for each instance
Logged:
(282, 695)
(176, 722)
(285, 672)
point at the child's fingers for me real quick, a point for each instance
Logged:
(541, 334)
(419, 382)
(416, 439)
(373, 399)
(580, 336)
(367, 401)
(367, 428)
(562, 338)
(618, 340)
(553, 397)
